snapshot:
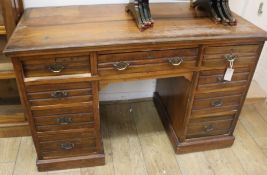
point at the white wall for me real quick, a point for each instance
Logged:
(125, 90)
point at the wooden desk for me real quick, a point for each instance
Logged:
(63, 55)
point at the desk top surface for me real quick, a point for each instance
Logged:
(94, 26)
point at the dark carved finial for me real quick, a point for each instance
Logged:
(219, 10)
(140, 10)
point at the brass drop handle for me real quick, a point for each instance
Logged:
(67, 146)
(221, 80)
(230, 57)
(217, 103)
(56, 68)
(64, 120)
(176, 61)
(59, 94)
(208, 128)
(120, 66)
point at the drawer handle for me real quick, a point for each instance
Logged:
(67, 146)
(120, 66)
(230, 57)
(217, 103)
(59, 94)
(176, 61)
(64, 120)
(208, 128)
(221, 80)
(56, 68)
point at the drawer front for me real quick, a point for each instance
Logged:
(55, 66)
(72, 108)
(68, 148)
(212, 103)
(66, 135)
(64, 122)
(53, 87)
(207, 95)
(59, 94)
(217, 55)
(209, 127)
(147, 61)
(213, 80)
(204, 113)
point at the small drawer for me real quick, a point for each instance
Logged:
(147, 61)
(216, 111)
(60, 97)
(219, 102)
(209, 127)
(213, 80)
(68, 148)
(39, 89)
(62, 109)
(55, 66)
(205, 95)
(66, 134)
(218, 55)
(59, 94)
(64, 122)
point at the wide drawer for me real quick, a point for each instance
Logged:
(219, 102)
(244, 54)
(213, 80)
(147, 61)
(55, 66)
(68, 148)
(209, 127)
(59, 94)
(64, 122)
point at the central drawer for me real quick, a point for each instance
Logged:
(147, 61)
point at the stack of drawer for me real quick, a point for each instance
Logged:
(217, 102)
(64, 114)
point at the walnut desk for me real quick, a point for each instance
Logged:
(63, 55)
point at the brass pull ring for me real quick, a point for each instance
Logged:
(176, 61)
(59, 94)
(208, 128)
(64, 120)
(217, 103)
(56, 68)
(121, 66)
(230, 57)
(67, 146)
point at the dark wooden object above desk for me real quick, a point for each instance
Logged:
(63, 55)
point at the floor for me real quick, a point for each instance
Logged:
(136, 143)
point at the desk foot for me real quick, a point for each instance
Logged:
(190, 145)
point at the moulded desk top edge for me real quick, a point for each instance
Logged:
(89, 27)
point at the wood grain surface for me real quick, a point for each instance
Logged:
(88, 27)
